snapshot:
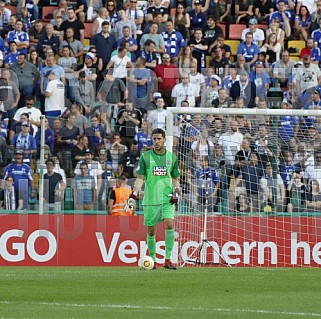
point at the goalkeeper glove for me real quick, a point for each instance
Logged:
(174, 197)
(131, 202)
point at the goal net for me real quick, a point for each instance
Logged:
(250, 182)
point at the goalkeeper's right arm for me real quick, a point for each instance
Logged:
(133, 196)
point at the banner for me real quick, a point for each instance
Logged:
(99, 240)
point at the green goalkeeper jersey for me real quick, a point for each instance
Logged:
(158, 171)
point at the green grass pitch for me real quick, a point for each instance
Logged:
(110, 292)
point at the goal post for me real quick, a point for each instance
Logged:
(265, 207)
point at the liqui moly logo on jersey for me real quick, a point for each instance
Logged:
(160, 171)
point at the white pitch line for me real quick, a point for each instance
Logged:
(196, 309)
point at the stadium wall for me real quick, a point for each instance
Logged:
(100, 240)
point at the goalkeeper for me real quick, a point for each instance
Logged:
(158, 169)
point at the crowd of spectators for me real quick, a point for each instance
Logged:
(104, 72)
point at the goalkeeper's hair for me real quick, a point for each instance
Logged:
(159, 131)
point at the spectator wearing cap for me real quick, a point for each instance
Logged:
(55, 97)
(166, 76)
(85, 93)
(263, 9)
(92, 69)
(25, 141)
(93, 168)
(197, 17)
(307, 78)
(152, 104)
(97, 136)
(261, 79)
(131, 41)
(248, 49)
(16, 126)
(48, 40)
(211, 92)
(243, 11)
(283, 69)
(157, 117)
(314, 103)
(258, 34)
(104, 42)
(23, 178)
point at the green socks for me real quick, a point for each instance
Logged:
(169, 243)
(151, 244)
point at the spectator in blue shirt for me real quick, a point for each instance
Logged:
(23, 178)
(198, 18)
(207, 185)
(283, 16)
(248, 49)
(174, 42)
(20, 37)
(261, 79)
(12, 56)
(132, 42)
(288, 124)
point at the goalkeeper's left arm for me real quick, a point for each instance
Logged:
(133, 196)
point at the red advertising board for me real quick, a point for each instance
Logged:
(99, 240)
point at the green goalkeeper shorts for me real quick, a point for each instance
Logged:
(154, 214)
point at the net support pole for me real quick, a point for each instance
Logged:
(42, 163)
(169, 129)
